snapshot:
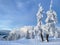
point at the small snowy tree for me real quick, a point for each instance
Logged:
(33, 36)
(28, 35)
(30, 32)
(33, 33)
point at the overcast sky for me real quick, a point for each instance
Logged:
(17, 13)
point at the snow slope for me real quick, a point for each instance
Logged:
(31, 42)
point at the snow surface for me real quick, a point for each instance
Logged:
(31, 42)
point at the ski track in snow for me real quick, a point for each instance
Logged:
(31, 42)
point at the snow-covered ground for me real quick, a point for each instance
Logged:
(31, 42)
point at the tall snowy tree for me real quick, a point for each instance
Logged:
(39, 22)
(51, 21)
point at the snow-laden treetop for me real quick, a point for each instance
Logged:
(51, 15)
(39, 13)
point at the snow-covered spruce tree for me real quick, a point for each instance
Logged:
(51, 21)
(38, 29)
(33, 33)
(28, 35)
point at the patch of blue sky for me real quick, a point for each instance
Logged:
(14, 13)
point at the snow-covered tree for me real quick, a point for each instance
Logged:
(38, 29)
(28, 35)
(51, 21)
(39, 17)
